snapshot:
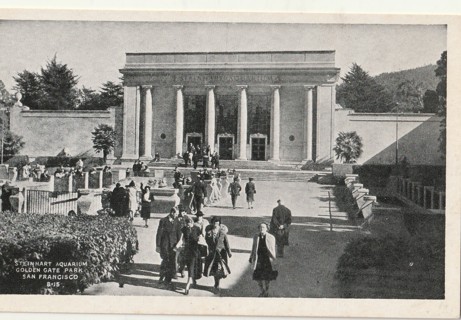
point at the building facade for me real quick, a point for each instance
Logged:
(245, 105)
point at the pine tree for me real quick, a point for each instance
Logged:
(58, 84)
(111, 95)
(28, 84)
(360, 92)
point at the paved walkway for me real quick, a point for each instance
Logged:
(307, 270)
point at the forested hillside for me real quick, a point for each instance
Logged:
(423, 75)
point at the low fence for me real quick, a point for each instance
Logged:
(41, 202)
(424, 196)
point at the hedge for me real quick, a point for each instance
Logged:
(105, 244)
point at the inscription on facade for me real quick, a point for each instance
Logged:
(212, 78)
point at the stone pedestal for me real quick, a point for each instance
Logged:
(89, 202)
(164, 200)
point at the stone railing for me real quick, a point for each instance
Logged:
(72, 183)
(365, 202)
(424, 196)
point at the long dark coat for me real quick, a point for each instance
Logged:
(118, 201)
(217, 248)
(168, 235)
(281, 215)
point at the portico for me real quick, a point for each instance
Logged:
(274, 106)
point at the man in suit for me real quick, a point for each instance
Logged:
(168, 235)
(234, 190)
(280, 223)
(199, 191)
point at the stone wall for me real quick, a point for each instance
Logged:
(46, 132)
(418, 135)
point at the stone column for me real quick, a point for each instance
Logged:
(137, 119)
(242, 122)
(308, 124)
(179, 119)
(210, 117)
(275, 123)
(125, 124)
(147, 124)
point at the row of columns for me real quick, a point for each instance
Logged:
(210, 127)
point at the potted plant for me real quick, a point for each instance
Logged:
(348, 149)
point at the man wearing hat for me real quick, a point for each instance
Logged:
(234, 190)
(168, 235)
(279, 227)
(199, 191)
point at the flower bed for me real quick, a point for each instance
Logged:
(98, 245)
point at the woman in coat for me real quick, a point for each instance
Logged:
(190, 235)
(262, 257)
(218, 252)
(146, 204)
(250, 190)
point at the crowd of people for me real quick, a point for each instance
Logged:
(194, 154)
(189, 242)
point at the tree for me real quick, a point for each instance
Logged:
(348, 147)
(28, 83)
(409, 96)
(104, 138)
(111, 95)
(430, 102)
(441, 73)
(58, 84)
(6, 99)
(12, 144)
(360, 92)
(88, 99)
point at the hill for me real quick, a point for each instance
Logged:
(424, 75)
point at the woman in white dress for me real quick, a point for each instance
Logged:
(224, 185)
(215, 194)
(132, 199)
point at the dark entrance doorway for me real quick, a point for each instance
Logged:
(258, 149)
(195, 141)
(225, 148)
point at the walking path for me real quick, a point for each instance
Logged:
(307, 269)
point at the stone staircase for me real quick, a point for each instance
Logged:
(259, 170)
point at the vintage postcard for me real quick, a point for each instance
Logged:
(229, 164)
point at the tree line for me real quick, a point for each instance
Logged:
(414, 91)
(55, 88)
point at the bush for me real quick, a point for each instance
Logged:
(105, 244)
(423, 253)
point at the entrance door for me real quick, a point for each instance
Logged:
(225, 148)
(195, 141)
(258, 149)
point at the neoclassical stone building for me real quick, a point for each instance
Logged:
(245, 105)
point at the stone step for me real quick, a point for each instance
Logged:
(258, 175)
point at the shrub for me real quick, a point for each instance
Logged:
(105, 244)
(348, 147)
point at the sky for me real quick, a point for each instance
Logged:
(96, 50)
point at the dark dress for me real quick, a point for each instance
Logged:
(216, 261)
(263, 269)
(146, 207)
(191, 251)
(250, 190)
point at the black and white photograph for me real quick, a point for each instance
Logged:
(219, 160)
